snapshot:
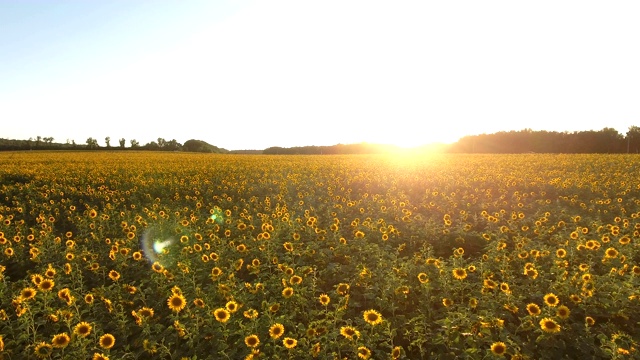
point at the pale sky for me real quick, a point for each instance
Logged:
(242, 74)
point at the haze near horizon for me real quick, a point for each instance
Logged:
(253, 74)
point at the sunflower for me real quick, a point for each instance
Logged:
(36, 279)
(498, 348)
(176, 302)
(252, 340)
(447, 302)
(137, 256)
(636, 270)
(114, 275)
(232, 306)
(549, 325)
(60, 340)
(146, 312)
(198, 302)
(251, 314)
(561, 253)
(459, 273)
(288, 246)
(287, 292)
(82, 329)
(396, 352)
(533, 309)
(589, 321)
(364, 352)
(372, 317)
(276, 330)
(97, 356)
(43, 350)
(551, 300)
(473, 303)
(504, 287)
(46, 285)
(157, 267)
(610, 253)
(342, 289)
(289, 343)
(221, 315)
(89, 298)
(216, 272)
(107, 341)
(295, 280)
(349, 332)
(27, 293)
(423, 278)
(324, 299)
(563, 312)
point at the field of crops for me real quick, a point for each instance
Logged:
(135, 255)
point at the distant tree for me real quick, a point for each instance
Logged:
(92, 143)
(38, 139)
(173, 145)
(162, 143)
(122, 142)
(107, 140)
(134, 143)
(633, 139)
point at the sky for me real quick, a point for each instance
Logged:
(243, 74)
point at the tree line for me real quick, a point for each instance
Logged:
(607, 141)
(47, 143)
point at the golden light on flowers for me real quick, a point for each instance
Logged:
(372, 317)
(176, 302)
(499, 348)
(252, 341)
(276, 330)
(549, 325)
(459, 273)
(107, 341)
(447, 302)
(60, 340)
(221, 315)
(551, 299)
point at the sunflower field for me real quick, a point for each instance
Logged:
(142, 255)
